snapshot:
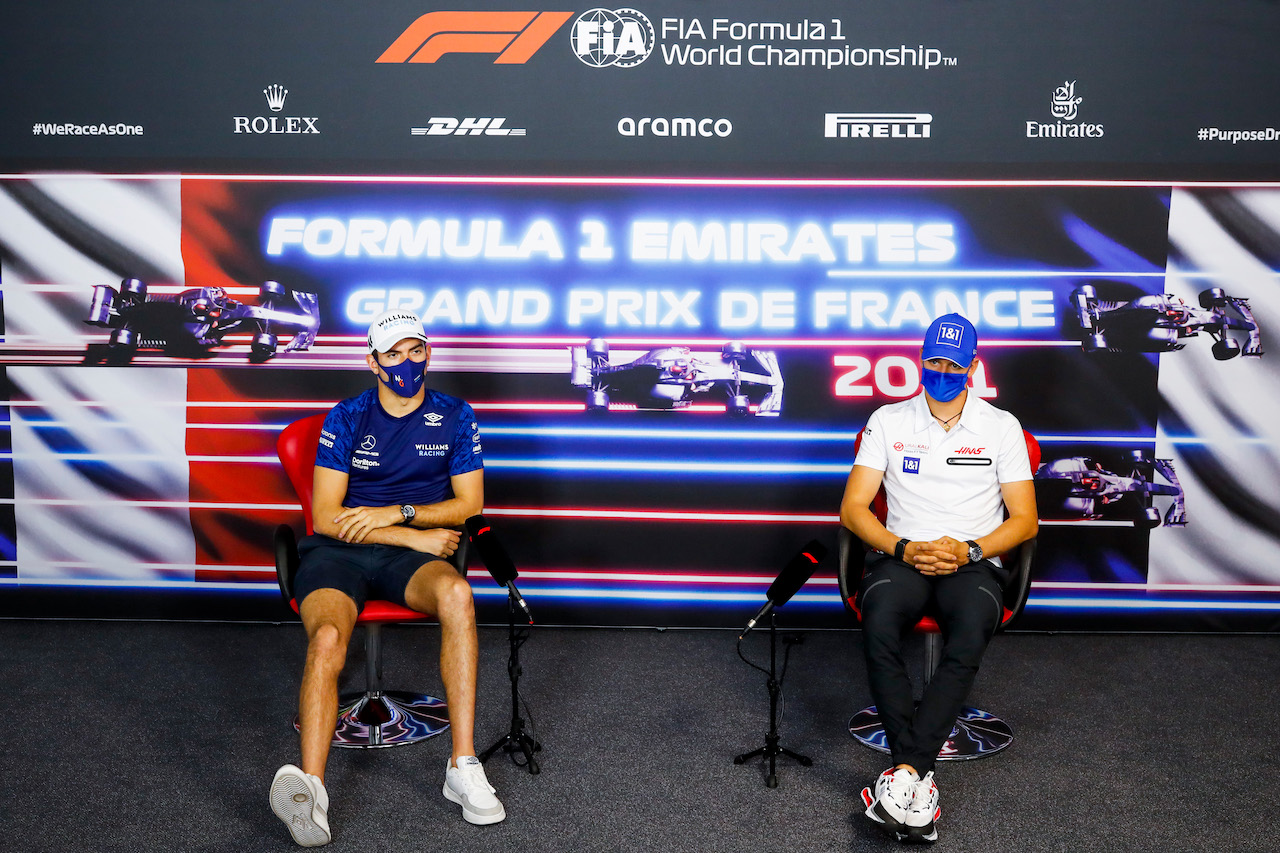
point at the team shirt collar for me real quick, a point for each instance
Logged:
(971, 416)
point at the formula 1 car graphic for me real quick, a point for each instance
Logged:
(194, 321)
(1158, 323)
(1078, 486)
(668, 378)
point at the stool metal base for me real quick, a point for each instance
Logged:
(976, 734)
(387, 718)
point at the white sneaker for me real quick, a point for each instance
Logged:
(300, 800)
(892, 798)
(924, 811)
(467, 786)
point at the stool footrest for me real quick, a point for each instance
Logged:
(387, 718)
(976, 734)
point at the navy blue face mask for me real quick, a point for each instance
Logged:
(943, 387)
(405, 378)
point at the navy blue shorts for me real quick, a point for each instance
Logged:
(360, 571)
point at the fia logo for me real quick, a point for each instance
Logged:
(622, 37)
(910, 465)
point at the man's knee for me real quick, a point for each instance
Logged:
(454, 595)
(328, 645)
(969, 633)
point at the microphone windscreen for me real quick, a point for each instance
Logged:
(796, 572)
(492, 554)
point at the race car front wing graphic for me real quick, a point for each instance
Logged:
(1160, 322)
(195, 321)
(668, 378)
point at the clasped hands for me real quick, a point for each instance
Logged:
(941, 556)
(357, 522)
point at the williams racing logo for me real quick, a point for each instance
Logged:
(432, 449)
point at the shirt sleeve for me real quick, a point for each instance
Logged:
(1013, 463)
(871, 452)
(465, 453)
(334, 450)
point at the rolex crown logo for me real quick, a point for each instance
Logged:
(275, 96)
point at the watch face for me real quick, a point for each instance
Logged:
(975, 553)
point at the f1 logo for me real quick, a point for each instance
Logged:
(910, 465)
(514, 36)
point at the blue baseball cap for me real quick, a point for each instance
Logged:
(951, 337)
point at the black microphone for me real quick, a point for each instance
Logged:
(789, 580)
(496, 559)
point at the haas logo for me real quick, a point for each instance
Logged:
(971, 451)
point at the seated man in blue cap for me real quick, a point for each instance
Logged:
(931, 554)
(398, 468)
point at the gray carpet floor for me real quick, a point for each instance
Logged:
(164, 737)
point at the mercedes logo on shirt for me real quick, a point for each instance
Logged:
(368, 443)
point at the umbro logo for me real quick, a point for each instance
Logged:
(432, 419)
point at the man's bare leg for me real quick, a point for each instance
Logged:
(329, 617)
(438, 589)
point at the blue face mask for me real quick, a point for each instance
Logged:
(943, 387)
(405, 378)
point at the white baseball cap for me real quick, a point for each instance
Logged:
(392, 327)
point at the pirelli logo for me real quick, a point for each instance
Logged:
(513, 36)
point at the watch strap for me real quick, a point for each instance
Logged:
(900, 550)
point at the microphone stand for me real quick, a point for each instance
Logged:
(772, 749)
(516, 740)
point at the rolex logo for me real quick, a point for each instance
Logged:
(276, 124)
(275, 96)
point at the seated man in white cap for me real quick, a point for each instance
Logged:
(384, 523)
(952, 465)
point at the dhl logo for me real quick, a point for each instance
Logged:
(514, 36)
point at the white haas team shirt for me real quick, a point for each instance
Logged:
(401, 460)
(941, 483)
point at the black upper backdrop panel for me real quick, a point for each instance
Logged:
(1183, 89)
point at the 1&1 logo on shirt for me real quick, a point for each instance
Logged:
(910, 465)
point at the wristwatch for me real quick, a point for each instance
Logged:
(975, 551)
(900, 550)
(409, 512)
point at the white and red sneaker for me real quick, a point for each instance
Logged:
(889, 804)
(922, 816)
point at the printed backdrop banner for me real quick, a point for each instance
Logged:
(669, 379)
(923, 88)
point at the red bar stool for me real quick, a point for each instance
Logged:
(376, 717)
(977, 733)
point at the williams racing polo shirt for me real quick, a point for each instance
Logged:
(401, 460)
(941, 483)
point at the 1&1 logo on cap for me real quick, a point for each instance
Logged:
(949, 334)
